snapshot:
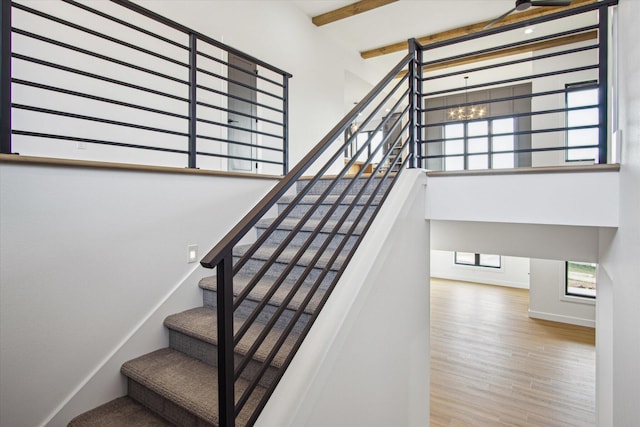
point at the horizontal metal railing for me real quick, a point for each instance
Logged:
(80, 81)
(526, 83)
(360, 195)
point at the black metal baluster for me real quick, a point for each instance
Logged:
(5, 77)
(224, 294)
(419, 105)
(603, 83)
(413, 93)
(193, 98)
(285, 125)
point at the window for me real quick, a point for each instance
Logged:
(479, 144)
(580, 279)
(478, 260)
(582, 113)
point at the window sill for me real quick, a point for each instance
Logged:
(577, 299)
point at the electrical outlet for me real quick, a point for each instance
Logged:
(192, 251)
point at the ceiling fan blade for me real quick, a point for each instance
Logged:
(550, 2)
(499, 18)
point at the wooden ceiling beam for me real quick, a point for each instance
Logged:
(463, 31)
(547, 44)
(348, 11)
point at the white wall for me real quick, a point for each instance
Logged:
(86, 256)
(547, 300)
(552, 198)
(513, 271)
(618, 342)
(366, 360)
(521, 240)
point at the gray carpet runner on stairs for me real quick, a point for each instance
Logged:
(177, 386)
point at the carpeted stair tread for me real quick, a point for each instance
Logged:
(122, 411)
(322, 184)
(288, 254)
(310, 199)
(312, 224)
(201, 323)
(187, 382)
(264, 285)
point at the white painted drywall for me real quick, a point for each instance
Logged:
(547, 300)
(604, 334)
(366, 360)
(522, 240)
(555, 198)
(86, 255)
(618, 349)
(513, 271)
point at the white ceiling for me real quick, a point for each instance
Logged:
(402, 20)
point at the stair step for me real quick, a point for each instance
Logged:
(331, 199)
(201, 323)
(322, 184)
(287, 256)
(284, 231)
(313, 223)
(321, 211)
(308, 201)
(240, 281)
(122, 411)
(182, 389)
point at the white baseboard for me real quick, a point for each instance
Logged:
(562, 319)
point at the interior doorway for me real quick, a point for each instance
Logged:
(242, 115)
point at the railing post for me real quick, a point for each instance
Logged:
(224, 295)
(193, 93)
(5, 77)
(419, 101)
(285, 125)
(603, 84)
(413, 122)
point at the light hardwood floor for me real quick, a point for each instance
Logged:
(491, 365)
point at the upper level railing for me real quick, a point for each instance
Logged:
(532, 93)
(113, 81)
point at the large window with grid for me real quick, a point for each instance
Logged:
(582, 121)
(479, 144)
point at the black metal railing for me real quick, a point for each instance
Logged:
(539, 100)
(113, 81)
(341, 210)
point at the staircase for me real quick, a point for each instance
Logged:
(277, 268)
(178, 385)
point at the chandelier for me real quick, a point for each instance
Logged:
(466, 111)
